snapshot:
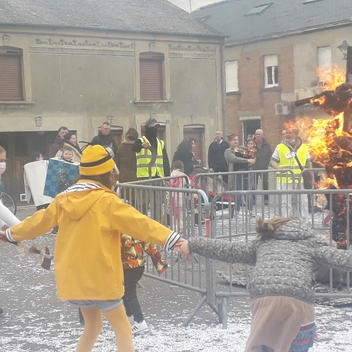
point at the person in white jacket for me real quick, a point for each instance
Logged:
(7, 218)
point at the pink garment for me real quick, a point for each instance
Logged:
(177, 198)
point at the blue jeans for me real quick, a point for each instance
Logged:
(242, 183)
(103, 306)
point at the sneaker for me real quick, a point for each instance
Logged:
(131, 319)
(1, 312)
(139, 327)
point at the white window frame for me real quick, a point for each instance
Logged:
(324, 60)
(270, 66)
(245, 121)
(231, 73)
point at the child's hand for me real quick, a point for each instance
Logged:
(183, 248)
(3, 236)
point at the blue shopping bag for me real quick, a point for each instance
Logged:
(51, 187)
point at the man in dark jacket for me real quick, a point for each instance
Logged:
(56, 146)
(104, 138)
(216, 158)
(216, 151)
(262, 162)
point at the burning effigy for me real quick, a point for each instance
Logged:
(330, 144)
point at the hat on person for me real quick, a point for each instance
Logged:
(95, 161)
(151, 122)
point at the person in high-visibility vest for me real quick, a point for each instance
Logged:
(152, 158)
(285, 156)
(152, 162)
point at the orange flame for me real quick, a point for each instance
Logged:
(331, 76)
(323, 135)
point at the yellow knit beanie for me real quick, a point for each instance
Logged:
(95, 161)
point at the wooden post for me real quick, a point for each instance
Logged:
(349, 65)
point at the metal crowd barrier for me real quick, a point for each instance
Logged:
(184, 210)
(329, 217)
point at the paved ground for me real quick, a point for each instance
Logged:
(35, 320)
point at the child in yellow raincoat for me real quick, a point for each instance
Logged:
(91, 219)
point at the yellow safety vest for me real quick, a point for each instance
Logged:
(288, 161)
(144, 158)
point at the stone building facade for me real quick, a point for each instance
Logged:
(64, 66)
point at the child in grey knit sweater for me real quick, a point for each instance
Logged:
(284, 256)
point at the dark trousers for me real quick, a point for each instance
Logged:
(130, 299)
(150, 198)
(265, 178)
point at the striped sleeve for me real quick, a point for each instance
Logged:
(9, 236)
(171, 240)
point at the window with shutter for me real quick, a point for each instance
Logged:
(11, 74)
(151, 76)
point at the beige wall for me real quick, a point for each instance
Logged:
(78, 78)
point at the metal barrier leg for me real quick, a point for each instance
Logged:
(222, 309)
(195, 311)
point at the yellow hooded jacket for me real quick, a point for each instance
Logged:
(88, 245)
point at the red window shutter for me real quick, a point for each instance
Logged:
(11, 78)
(151, 78)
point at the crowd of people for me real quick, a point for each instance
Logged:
(145, 157)
(111, 262)
(291, 154)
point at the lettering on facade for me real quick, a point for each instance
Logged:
(85, 43)
(198, 48)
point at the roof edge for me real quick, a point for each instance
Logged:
(218, 36)
(287, 34)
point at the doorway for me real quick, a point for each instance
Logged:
(197, 133)
(116, 132)
(249, 127)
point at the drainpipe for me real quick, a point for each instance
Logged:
(223, 92)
